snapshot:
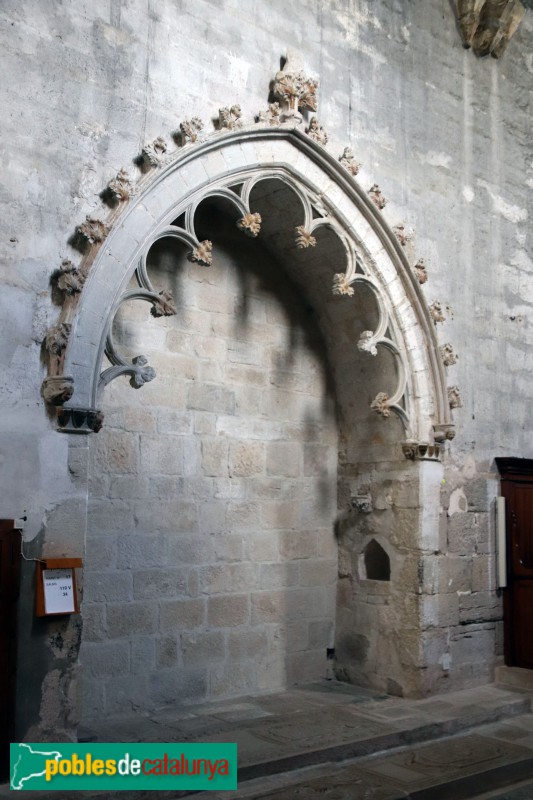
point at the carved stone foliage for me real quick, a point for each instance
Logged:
(203, 253)
(80, 420)
(401, 234)
(366, 343)
(121, 187)
(190, 130)
(317, 132)
(448, 356)
(56, 339)
(420, 271)
(454, 397)
(163, 305)
(436, 312)
(347, 159)
(304, 238)
(153, 154)
(142, 373)
(488, 25)
(250, 224)
(57, 389)
(93, 230)
(376, 196)
(380, 404)
(341, 285)
(297, 91)
(68, 278)
(229, 118)
(272, 116)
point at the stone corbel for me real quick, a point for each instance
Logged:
(57, 389)
(80, 420)
(421, 451)
(488, 25)
(444, 432)
(362, 503)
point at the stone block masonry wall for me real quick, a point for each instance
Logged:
(211, 560)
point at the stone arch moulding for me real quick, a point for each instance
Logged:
(228, 166)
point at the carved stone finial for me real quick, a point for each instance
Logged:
(304, 238)
(68, 278)
(56, 338)
(454, 397)
(488, 25)
(229, 118)
(57, 389)
(272, 116)
(121, 187)
(202, 254)
(163, 306)
(93, 230)
(420, 271)
(401, 234)
(365, 343)
(341, 286)
(448, 356)
(190, 130)
(436, 312)
(375, 195)
(381, 404)
(143, 372)
(295, 89)
(153, 153)
(316, 132)
(347, 159)
(250, 224)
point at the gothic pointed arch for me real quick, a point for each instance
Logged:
(228, 167)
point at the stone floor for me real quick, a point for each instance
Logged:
(339, 742)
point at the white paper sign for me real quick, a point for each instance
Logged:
(58, 591)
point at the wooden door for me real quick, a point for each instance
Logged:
(517, 488)
(9, 589)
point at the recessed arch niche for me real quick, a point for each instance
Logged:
(284, 195)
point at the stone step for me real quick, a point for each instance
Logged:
(515, 677)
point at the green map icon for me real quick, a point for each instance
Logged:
(29, 763)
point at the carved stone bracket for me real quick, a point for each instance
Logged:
(444, 432)
(80, 420)
(421, 451)
(304, 238)
(57, 389)
(362, 503)
(381, 404)
(488, 25)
